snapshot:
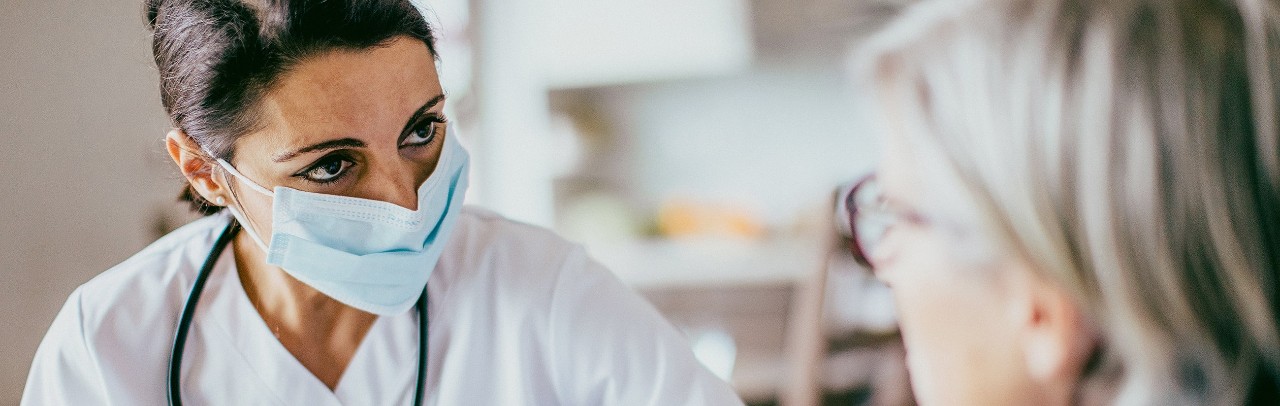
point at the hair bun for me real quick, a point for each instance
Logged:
(153, 11)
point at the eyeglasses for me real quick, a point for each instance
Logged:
(871, 217)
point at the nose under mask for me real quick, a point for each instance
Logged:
(372, 255)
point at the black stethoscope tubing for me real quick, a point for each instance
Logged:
(189, 310)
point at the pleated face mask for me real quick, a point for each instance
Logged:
(368, 254)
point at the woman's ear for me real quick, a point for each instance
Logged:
(1058, 337)
(194, 166)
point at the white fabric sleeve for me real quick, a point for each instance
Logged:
(63, 372)
(611, 347)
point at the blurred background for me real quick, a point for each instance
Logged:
(693, 146)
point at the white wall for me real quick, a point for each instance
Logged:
(778, 139)
(82, 167)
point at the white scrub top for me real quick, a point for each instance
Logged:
(518, 316)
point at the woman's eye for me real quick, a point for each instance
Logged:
(422, 135)
(328, 171)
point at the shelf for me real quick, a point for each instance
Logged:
(685, 263)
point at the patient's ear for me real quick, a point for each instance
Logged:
(195, 166)
(1057, 336)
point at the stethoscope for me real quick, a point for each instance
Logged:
(189, 310)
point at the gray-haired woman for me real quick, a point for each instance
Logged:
(1080, 200)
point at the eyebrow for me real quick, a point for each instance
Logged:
(352, 142)
(323, 146)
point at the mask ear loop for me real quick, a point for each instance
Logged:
(252, 185)
(240, 216)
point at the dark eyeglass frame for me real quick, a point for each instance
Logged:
(857, 209)
(851, 209)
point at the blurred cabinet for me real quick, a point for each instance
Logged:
(598, 117)
(743, 289)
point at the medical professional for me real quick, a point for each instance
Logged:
(337, 250)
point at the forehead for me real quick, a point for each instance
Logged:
(900, 161)
(915, 170)
(350, 93)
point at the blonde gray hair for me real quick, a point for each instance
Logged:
(1128, 150)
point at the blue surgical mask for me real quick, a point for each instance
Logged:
(368, 254)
